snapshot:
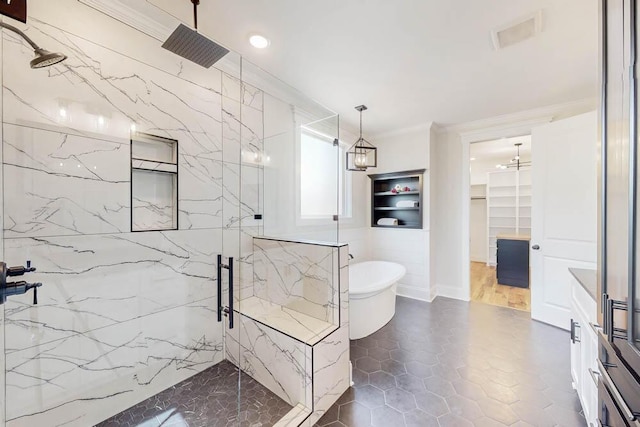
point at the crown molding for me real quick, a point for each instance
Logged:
(533, 116)
(134, 18)
(399, 132)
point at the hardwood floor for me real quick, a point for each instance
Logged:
(484, 288)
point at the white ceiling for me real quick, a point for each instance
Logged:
(488, 154)
(500, 151)
(412, 61)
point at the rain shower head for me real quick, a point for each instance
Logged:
(192, 45)
(43, 58)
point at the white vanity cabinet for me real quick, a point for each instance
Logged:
(584, 342)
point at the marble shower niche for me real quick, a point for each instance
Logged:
(154, 183)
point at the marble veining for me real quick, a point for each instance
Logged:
(49, 176)
(200, 202)
(298, 325)
(252, 97)
(153, 201)
(278, 362)
(297, 276)
(96, 281)
(242, 188)
(120, 91)
(330, 371)
(89, 375)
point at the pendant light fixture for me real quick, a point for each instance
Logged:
(362, 154)
(515, 162)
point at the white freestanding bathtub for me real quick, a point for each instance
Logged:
(372, 295)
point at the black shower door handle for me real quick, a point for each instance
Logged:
(219, 288)
(230, 267)
(229, 309)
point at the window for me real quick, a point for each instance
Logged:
(322, 175)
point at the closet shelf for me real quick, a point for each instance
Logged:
(508, 205)
(389, 193)
(392, 208)
(414, 226)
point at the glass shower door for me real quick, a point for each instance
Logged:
(289, 162)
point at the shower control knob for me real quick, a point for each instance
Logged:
(19, 270)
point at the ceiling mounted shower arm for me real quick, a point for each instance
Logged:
(195, 13)
(21, 34)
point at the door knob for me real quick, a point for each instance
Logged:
(535, 247)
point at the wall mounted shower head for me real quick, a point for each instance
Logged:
(43, 58)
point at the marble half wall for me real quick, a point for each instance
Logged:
(309, 371)
(297, 275)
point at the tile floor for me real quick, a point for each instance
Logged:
(451, 363)
(208, 399)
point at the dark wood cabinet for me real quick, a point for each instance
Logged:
(513, 262)
(397, 196)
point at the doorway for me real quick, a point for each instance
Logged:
(563, 206)
(500, 222)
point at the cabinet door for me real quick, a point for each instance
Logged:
(576, 351)
(589, 387)
(513, 263)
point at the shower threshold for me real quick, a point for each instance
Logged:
(209, 398)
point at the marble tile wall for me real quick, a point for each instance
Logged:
(277, 361)
(331, 366)
(121, 315)
(311, 375)
(298, 276)
(331, 371)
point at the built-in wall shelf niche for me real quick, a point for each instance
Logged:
(508, 206)
(396, 199)
(154, 183)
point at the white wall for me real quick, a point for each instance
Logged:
(355, 229)
(447, 198)
(403, 150)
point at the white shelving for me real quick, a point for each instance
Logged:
(508, 206)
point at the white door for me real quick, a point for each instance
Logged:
(564, 207)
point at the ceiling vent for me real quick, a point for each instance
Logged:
(517, 31)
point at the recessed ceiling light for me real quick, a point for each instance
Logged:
(259, 41)
(472, 159)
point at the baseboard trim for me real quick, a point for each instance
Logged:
(455, 292)
(414, 293)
